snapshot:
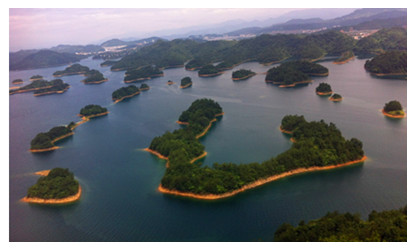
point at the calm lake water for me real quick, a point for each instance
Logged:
(120, 201)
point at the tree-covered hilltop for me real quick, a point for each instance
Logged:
(94, 76)
(124, 92)
(391, 62)
(323, 88)
(290, 122)
(316, 144)
(59, 183)
(92, 109)
(293, 72)
(242, 74)
(17, 81)
(385, 226)
(36, 77)
(394, 108)
(46, 140)
(209, 70)
(141, 74)
(74, 69)
(144, 87)
(185, 82)
(42, 86)
(58, 86)
(381, 41)
(336, 97)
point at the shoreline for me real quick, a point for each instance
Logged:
(43, 172)
(282, 85)
(344, 61)
(125, 97)
(335, 100)
(186, 86)
(170, 82)
(388, 74)
(87, 118)
(52, 92)
(324, 93)
(259, 182)
(65, 200)
(71, 74)
(211, 75)
(160, 156)
(95, 82)
(53, 142)
(286, 131)
(18, 82)
(393, 116)
(29, 90)
(243, 78)
(143, 78)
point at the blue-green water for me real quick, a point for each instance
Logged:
(120, 201)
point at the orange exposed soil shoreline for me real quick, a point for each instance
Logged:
(258, 182)
(286, 131)
(211, 75)
(87, 118)
(95, 82)
(324, 93)
(335, 99)
(18, 82)
(43, 172)
(243, 78)
(29, 90)
(53, 141)
(71, 74)
(344, 61)
(186, 86)
(282, 85)
(125, 97)
(392, 116)
(53, 92)
(167, 159)
(388, 74)
(182, 123)
(69, 199)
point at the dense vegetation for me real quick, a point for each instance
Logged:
(391, 62)
(394, 108)
(290, 122)
(390, 226)
(94, 76)
(336, 96)
(383, 40)
(317, 144)
(209, 70)
(242, 74)
(45, 140)
(142, 74)
(58, 184)
(92, 109)
(125, 91)
(185, 81)
(144, 87)
(57, 86)
(323, 88)
(36, 77)
(42, 86)
(294, 71)
(108, 63)
(17, 81)
(345, 56)
(74, 69)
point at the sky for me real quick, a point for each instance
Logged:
(44, 28)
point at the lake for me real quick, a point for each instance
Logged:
(120, 201)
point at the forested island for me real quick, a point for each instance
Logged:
(393, 109)
(144, 87)
(345, 57)
(44, 142)
(385, 226)
(124, 93)
(318, 146)
(209, 71)
(185, 82)
(94, 77)
(57, 187)
(391, 64)
(336, 97)
(324, 89)
(142, 74)
(74, 69)
(242, 74)
(42, 87)
(290, 74)
(17, 81)
(92, 110)
(36, 77)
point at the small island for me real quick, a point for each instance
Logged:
(345, 57)
(291, 74)
(142, 74)
(92, 111)
(57, 187)
(336, 98)
(74, 69)
(94, 77)
(44, 142)
(242, 74)
(393, 109)
(209, 71)
(36, 77)
(391, 64)
(170, 82)
(42, 87)
(17, 81)
(324, 89)
(124, 93)
(185, 82)
(144, 87)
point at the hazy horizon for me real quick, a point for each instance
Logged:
(45, 28)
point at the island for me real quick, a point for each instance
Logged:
(291, 74)
(94, 77)
(124, 93)
(209, 71)
(44, 142)
(142, 74)
(57, 187)
(92, 111)
(17, 81)
(324, 89)
(393, 109)
(312, 151)
(170, 82)
(336, 98)
(391, 64)
(144, 87)
(384, 226)
(242, 74)
(42, 87)
(345, 57)
(185, 82)
(36, 77)
(74, 69)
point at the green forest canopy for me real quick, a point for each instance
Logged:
(124, 91)
(92, 109)
(294, 71)
(75, 68)
(391, 62)
(185, 80)
(93, 76)
(242, 73)
(324, 88)
(44, 140)
(392, 106)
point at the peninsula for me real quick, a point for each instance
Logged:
(94, 77)
(324, 89)
(44, 142)
(242, 74)
(74, 69)
(42, 87)
(57, 187)
(185, 82)
(124, 93)
(391, 64)
(142, 74)
(310, 152)
(345, 57)
(393, 109)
